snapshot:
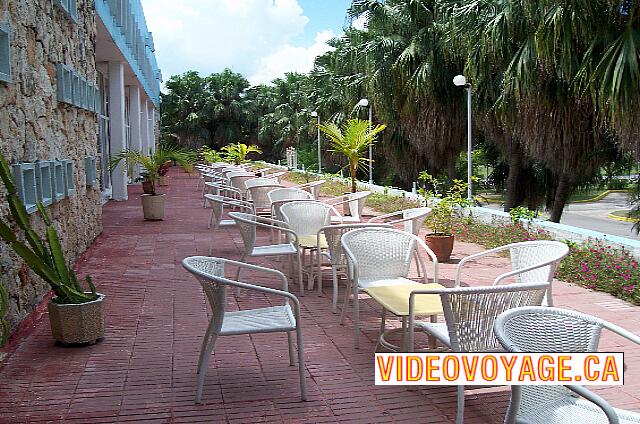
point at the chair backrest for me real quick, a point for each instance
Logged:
(530, 253)
(307, 217)
(259, 195)
(238, 180)
(255, 182)
(313, 187)
(210, 274)
(246, 223)
(333, 235)
(470, 312)
(288, 193)
(413, 219)
(379, 253)
(219, 202)
(544, 329)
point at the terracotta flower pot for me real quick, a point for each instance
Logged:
(441, 245)
(153, 206)
(77, 323)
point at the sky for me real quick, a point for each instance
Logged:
(261, 39)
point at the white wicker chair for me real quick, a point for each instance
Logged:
(219, 189)
(284, 318)
(280, 196)
(218, 204)
(469, 314)
(411, 219)
(541, 329)
(248, 224)
(334, 253)
(312, 187)
(237, 180)
(380, 257)
(355, 202)
(259, 197)
(531, 261)
(260, 181)
(306, 218)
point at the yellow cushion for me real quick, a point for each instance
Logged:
(395, 299)
(312, 241)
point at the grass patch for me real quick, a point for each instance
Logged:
(387, 204)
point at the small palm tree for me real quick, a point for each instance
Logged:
(238, 152)
(352, 140)
(154, 165)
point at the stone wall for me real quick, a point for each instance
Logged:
(35, 126)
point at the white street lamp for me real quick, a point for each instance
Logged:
(315, 114)
(365, 103)
(461, 81)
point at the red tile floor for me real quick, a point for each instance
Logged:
(144, 369)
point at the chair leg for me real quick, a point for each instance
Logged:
(334, 275)
(415, 255)
(460, 412)
(311, 278)
(346, 301)
(210, 219)
(242, 259)
(383, 327)
(202, 369)
(291, 352)
(303, 386)
(205, 343)
(300, 278)
(356, 316)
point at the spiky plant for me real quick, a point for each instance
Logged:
(238, 152)
(44, 257)
(4, 325)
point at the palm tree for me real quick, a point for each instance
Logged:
(352, 141)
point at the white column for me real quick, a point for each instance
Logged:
(144, 127)
(151, 136)
(117, 128)
(134, 122)
(153, 128)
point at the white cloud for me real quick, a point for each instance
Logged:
(253, 37)
(361, 22)
(291, 59)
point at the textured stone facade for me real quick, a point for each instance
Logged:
(35, 126)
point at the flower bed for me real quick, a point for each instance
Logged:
(593, 265)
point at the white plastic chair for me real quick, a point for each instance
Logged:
(283, 318)
(334, 253)
(248, 224)
(312, 187)
(306, 218)
(355, 202)
(380, 257)
(218, 204)
(237, 180)
(531, 261)
(260, 181)
(219, 189)
(541, 329)
(469, 314)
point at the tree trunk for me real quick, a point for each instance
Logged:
(353, 172)
(563, 191)
(515, 170)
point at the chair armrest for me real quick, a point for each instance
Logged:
(275, 226)
(473, 258)
(597, 400)
(412, 313)
(385, 216)
(434, 259)
(506, 275)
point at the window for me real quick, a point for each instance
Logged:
(24, 175)
(68, 177)
(43, 182)
(77, 90)
(90, 170)
(59, 188)
(69, 7)
(5, 53)
(65, 83)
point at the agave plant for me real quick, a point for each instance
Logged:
(45, 258)
(352, 140)
(238, 152)
(154, 165)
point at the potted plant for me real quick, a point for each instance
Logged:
(76, 314)
(237, 153)
(352, 141)
(444, 205)
(210, 155)
(154, 166)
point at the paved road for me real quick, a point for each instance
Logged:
(593, 215)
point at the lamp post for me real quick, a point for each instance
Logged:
(365, 103)
(461, 81)
(315, 114)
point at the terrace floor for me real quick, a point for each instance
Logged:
(144, 369)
